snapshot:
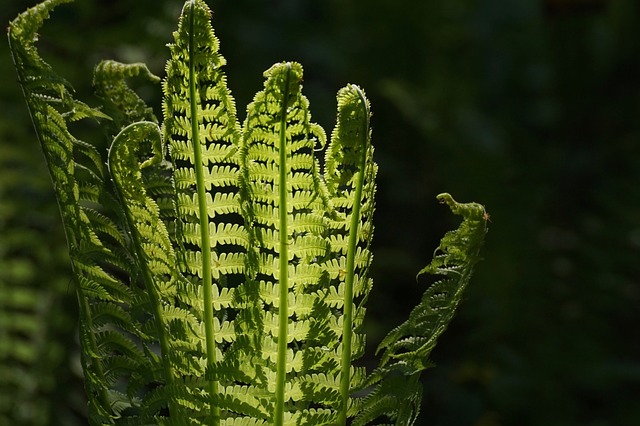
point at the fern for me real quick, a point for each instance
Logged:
(221, 271)
(406, 349)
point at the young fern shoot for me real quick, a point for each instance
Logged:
(221, 272)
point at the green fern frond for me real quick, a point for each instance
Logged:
(350, 175)
(97, 243)
(202, 132)
(405, 350)
(149, 238)
(284, 216)
(453, 264)
(49, 99)
(121, 103)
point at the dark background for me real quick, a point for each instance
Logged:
(531, 107)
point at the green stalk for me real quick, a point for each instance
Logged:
(85, 312)
(283, 317)
(204, 225)
(146, 273)
(157, 312)
(347, 320)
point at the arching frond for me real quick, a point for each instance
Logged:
(121, 103)
(406, 349)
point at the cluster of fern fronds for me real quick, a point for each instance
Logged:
(221, 272)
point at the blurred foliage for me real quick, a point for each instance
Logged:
(37, 309)
(529, 106)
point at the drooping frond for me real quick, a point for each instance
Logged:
(453, 263)
(121, 103)
(405, 350)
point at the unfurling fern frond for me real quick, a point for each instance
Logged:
(221, 272)
(350, 175)
(123, 105)
(454, 261)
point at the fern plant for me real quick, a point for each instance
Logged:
(221, 272)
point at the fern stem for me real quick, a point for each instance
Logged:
(153, 293)
(204, 224)
(283, 317)
(347, 320)
(157, 313)
(85, 312)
